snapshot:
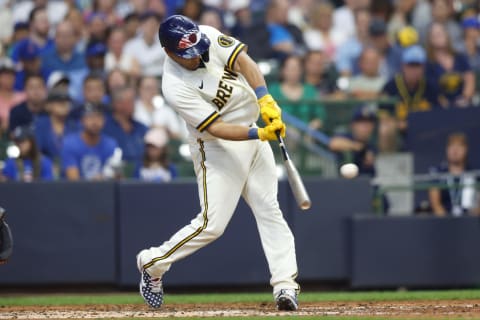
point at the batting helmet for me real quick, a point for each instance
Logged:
(181, 36)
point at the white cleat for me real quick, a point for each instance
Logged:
(286, 300)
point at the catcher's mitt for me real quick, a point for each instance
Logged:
(6, 240)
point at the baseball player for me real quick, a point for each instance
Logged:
(217, 89)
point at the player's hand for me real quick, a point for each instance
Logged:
(269, 132)
(269, 109)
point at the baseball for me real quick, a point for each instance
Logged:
(349, 170)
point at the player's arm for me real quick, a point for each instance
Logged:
(269, 109)
(236, 132)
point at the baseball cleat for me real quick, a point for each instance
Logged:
(151, 290)
(287, 300)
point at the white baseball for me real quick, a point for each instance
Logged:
(349, 170)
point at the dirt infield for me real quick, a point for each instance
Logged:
(399, 309)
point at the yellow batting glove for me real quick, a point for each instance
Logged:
(269, 109)
(269, 132)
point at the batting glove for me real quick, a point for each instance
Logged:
(269, 132)
(269, 109)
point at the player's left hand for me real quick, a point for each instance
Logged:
(269, 109)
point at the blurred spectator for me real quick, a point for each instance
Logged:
(58, 81)
(20, 32)
(107, 9)
(86, 153)
(458, 195)
(320, 35)
(344, 17)
(8, 97)
(117, 58)
(121, 126)
(213, 17)
(95, 57)
(75, 17)
(253, 33)
(63, 57)
(390, 55)
(151, 109)
(192, 9)
(94, 92)
(51, 129)
(116, 79)
(442, 12)
(356, 146)
(25, 113)
(451, 70)
(97, 27)
(348, 53)
(285, 39)
(131, 24)
(414, 91)
(6, 24)
(291, 93)
(368, 83)
(146, 49)
(39, 27)
(402, 17)
(156, 166)
(29, 62)
(471, 41)
(319, 72)
(30, 165)
(407, 36)
(126, 8)
(55, 10)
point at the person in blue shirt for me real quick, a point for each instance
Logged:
(29, 62)
(51, 129)
(121, 126)
(25, 113)
(64, 57)
(86, 154)
(30, 165)
(156, 166)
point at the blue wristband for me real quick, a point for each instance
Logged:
(253, 133)
(261, 91)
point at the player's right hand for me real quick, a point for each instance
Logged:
(269, 132)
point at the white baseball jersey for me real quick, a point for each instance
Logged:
(213, 91)
(226, 170)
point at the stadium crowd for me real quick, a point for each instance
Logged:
(80, 79)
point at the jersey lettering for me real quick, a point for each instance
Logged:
(224, 91)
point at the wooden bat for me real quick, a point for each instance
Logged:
(294, 179)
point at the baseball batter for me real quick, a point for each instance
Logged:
(217, 89)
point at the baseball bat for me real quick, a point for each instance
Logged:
(294, 179)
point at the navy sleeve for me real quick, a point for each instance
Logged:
(47, 169)
(461, 63)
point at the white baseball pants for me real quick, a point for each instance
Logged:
(225, 171)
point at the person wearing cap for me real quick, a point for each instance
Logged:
(219, 91)
(34, 105)
(450, 69)
(29, 62)
(95, 55)
(121, 125)
(471, 41)
(156, 166)
(51, 129)
(414, 91)
(86, 153)
(9, 98)
(146, 48)
(356, 146)
(30, 165)
(58, 81)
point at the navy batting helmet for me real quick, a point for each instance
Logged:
(181, 36)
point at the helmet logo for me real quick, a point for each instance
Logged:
(189, 40)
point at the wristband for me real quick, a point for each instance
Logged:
(253, 133)
(261, 91)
